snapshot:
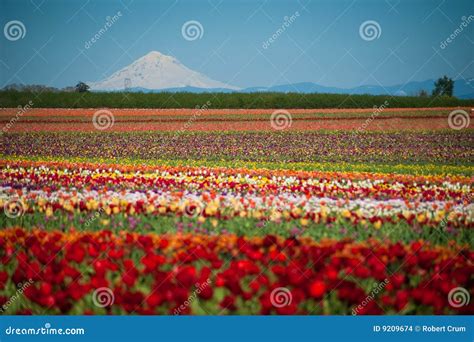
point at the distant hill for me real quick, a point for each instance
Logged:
(462, 89)
(156, 73)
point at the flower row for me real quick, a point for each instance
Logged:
(102, 272)
(385, 147)
(318, 184)
(274, 208)
(308, 197)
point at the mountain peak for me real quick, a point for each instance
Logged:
(155, 53)
(152, 55)
(157, 71)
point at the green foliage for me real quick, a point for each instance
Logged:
(13, 99)
(422, 93)
(443, 87)
(170, 224)
(81, 87)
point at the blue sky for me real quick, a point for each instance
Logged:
(322, 45)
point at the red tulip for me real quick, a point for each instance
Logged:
(317, 289)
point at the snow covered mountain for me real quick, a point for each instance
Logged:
(157, 71)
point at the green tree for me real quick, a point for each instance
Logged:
(81, 87)
(422, 93)
(443, 87)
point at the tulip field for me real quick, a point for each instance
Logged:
(224, 213)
